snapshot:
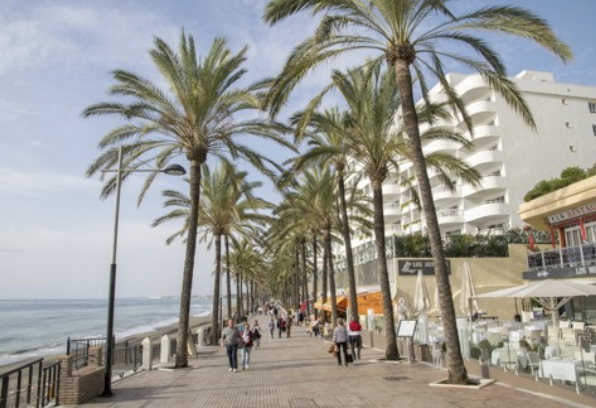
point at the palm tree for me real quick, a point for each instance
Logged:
(328, 148)
(416, 35)
(228, 200)
(194, 116)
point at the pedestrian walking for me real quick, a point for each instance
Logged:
(271, 329)
(281, 323)
(247, 338)
(256, 335)
(260, 310)
(230, 338)
(355, 337)
(340, 338)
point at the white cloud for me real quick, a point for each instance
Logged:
(19, 183)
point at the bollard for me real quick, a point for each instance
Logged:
(201, 335)
(147, 357)
(164, 356)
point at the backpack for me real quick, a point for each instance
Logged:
(256, 333)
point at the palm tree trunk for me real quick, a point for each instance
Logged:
(297, 283)
(457, 370)
(304, 297)
(379, 227)
(324, 281)
(315, 272)
(228, 280)
(331, 277)
(347, 242)
(240, 294)
(181, 360)
(216, 289)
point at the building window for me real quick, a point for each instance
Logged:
(564, 101)
(592, 107)
(594, 129)
(568, 125)
(572, 148)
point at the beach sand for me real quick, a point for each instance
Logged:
(171, 330)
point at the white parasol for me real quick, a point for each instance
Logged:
(467, 296)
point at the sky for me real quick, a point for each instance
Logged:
(56, 56)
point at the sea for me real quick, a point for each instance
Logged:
(37, 328)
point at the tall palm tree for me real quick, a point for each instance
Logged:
(376, 144)
(228, 200)
(328, 148)
(418, 36)
(196, 114)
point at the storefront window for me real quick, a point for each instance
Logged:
(573, 236)
(591, 231)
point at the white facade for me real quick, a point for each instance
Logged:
(510, 156)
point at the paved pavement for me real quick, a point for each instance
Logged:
(297, 372)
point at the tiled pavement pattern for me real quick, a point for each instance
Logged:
(299, 373)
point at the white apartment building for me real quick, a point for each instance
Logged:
(510, 156)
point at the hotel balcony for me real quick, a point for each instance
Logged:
(445, 146)
(392, 212)
(489, 185)
(487, 211)
(442, 195)
(450, 217)
(484, 160)
(484, 135)
(473, 88)
(391, 191)
(482, 111)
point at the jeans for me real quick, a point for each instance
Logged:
(246, 356)
(344, 345)
(233, 355)
(355, 343)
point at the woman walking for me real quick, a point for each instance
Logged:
(256, 335)
(340, 338)
(247, 337)
(355, 337)
(271, 329)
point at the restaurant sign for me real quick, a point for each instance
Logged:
(580, 211)
(583, 271)
(410, 267)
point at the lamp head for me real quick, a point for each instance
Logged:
(174, 170)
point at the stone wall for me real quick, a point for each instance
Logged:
(81, 385)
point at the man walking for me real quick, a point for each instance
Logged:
(230, 338)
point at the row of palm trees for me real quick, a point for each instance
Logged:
(204, 116)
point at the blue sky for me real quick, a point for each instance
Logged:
(55, 59)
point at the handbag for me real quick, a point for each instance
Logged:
(331, 349)
(335, 350)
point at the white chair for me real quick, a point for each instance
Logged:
(534, 362)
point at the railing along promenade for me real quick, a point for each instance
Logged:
(32, 384)
(37, 383)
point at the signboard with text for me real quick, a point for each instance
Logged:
(410, 267)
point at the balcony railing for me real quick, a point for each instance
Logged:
(564, 257)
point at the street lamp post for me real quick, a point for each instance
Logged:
(174, 170)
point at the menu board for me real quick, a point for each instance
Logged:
(406, 328)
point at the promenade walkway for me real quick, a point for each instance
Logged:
(299, 373)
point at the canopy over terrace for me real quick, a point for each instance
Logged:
(366, 301)
(342, 304)
(551, 294)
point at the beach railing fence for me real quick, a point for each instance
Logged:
(125, 356)
(31, 384)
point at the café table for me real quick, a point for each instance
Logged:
(560, 369)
